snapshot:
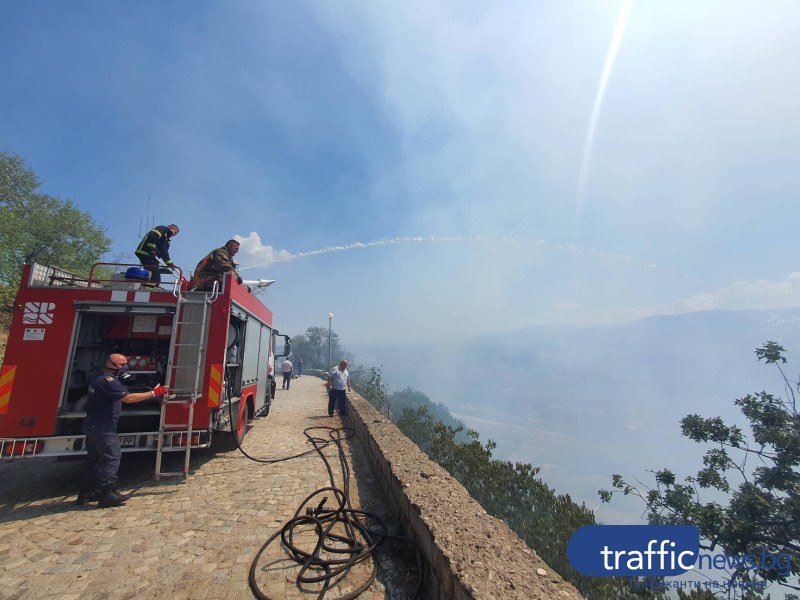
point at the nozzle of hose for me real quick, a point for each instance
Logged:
(315, 511)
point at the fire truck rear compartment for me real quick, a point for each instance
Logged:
(143, 338)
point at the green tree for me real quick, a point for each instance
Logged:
(312, 346)
(36, 227)
(369, 383)
(17, 182)
(411, 398)
(416, 414)
(418, 425)
(754, 481)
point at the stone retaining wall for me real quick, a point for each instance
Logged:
(469, 554)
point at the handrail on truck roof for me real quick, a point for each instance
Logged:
(50, 276)
(179, 284)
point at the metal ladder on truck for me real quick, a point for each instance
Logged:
(185, 368)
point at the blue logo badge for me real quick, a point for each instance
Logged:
(634, 550)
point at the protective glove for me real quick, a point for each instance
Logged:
(239, 279)
(160, 390)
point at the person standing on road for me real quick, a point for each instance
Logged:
(155, 245)
(287, 371)
(338, 380)
(103, 452)
(299, 366)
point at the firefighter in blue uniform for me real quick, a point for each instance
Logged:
(103, 453)
(155, 245)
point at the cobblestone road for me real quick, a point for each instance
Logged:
(181, 539)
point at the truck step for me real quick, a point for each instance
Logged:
(124, 413)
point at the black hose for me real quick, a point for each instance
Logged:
(360, 541)
(266, 461)
(341, 551)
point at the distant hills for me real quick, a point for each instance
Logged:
(586, 402)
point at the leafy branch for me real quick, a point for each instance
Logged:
(762, 509)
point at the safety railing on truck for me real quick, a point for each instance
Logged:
(47, 276)
(130, 276)
(105, 275)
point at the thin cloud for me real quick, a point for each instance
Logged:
(761, 294)
(567, 307)
(256, 251)
(739, 295)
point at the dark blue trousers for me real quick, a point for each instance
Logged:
(152, 265)
(339, 396)
(103, 453)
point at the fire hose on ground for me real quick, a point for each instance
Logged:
(343, 535)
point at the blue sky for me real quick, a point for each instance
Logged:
(432, 150)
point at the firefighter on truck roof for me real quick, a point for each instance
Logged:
(214, 265)
(155, 245)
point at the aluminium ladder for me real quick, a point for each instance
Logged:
(184, 370)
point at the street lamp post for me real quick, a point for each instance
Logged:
(330, 320)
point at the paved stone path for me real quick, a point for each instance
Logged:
(188, 539)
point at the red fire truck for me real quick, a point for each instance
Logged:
(215, 350)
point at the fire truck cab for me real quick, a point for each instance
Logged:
(215, 350)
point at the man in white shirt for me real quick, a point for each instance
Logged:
(338, 380)
(287, 372)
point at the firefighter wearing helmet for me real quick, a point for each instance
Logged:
(154, 246)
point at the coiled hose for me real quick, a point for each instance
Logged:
(343, 538)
